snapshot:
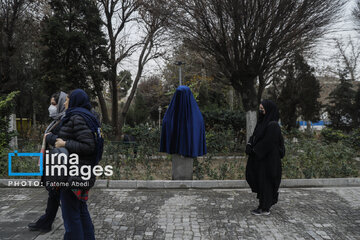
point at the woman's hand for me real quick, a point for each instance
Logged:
(248, 149)
(60, 143)
(46, 135)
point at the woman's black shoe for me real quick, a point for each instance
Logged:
(260, 212)
(256, 212)
(34, 227)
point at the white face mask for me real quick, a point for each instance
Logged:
(52, 111)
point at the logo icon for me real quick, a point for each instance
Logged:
(15, 153)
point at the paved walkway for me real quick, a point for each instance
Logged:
(325, 213)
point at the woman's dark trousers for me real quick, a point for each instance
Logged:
(46, 220)
(77, 220)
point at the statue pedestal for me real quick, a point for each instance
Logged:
(182, 167)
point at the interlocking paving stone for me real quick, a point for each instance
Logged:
(312, 213)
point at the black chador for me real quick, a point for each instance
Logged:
(265, 149)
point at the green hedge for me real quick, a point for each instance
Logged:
(311, 158)
(225, 118)
(326, 155)
(351, 139)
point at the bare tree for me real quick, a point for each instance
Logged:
(356, 14)
(248, 38)
(150, 20)
(154, 19)
(349, 53)
(355, 51)
(117, 15)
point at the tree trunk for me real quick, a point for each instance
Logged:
(12, 127)
(251, 120)
(103, 107)
(121, 124)
(114, 101)
(143, 58)
(308, 126)
(98, 90)
(250, 101)
(128, 101)
(231, 98)
(261, 88)
(21, 127)
(34, 119)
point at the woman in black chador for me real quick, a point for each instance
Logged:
(265, 149)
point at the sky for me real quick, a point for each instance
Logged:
(323, 55)
(343, 28)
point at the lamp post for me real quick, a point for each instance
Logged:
(179, 63)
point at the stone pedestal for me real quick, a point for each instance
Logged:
(182, 167)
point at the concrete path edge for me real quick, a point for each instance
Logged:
(197, 184)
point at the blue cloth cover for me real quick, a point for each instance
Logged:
(183, 129)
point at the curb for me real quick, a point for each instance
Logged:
(195, 184)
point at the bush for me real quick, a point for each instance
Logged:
(6, 108)
(145, 136)
(316, 159)
(295, 133)
(354, 139)
(126, 158)
(221, 140)
(351, 139)
(107, 131)
(330, 135)
(330, 156)
(225, 118)
(208, 167)
(4, 161)
(23, 165)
